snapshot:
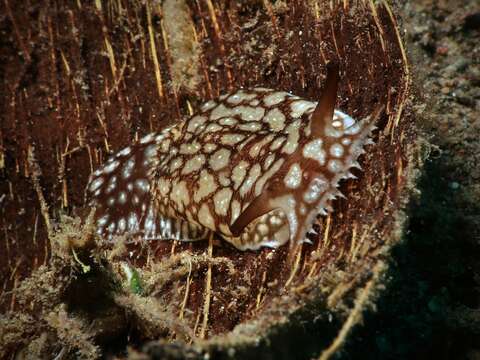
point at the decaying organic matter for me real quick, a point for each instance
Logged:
(84, 80)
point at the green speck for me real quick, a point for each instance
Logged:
(133, 279)
(136, 283)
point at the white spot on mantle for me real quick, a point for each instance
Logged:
(293, 179)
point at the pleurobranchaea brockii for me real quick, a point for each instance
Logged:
(255, 166)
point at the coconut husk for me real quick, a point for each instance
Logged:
(83, 79)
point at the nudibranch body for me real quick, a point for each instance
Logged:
(255, 166)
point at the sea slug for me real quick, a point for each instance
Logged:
(255, 166)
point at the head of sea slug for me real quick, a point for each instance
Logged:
(308, 180)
